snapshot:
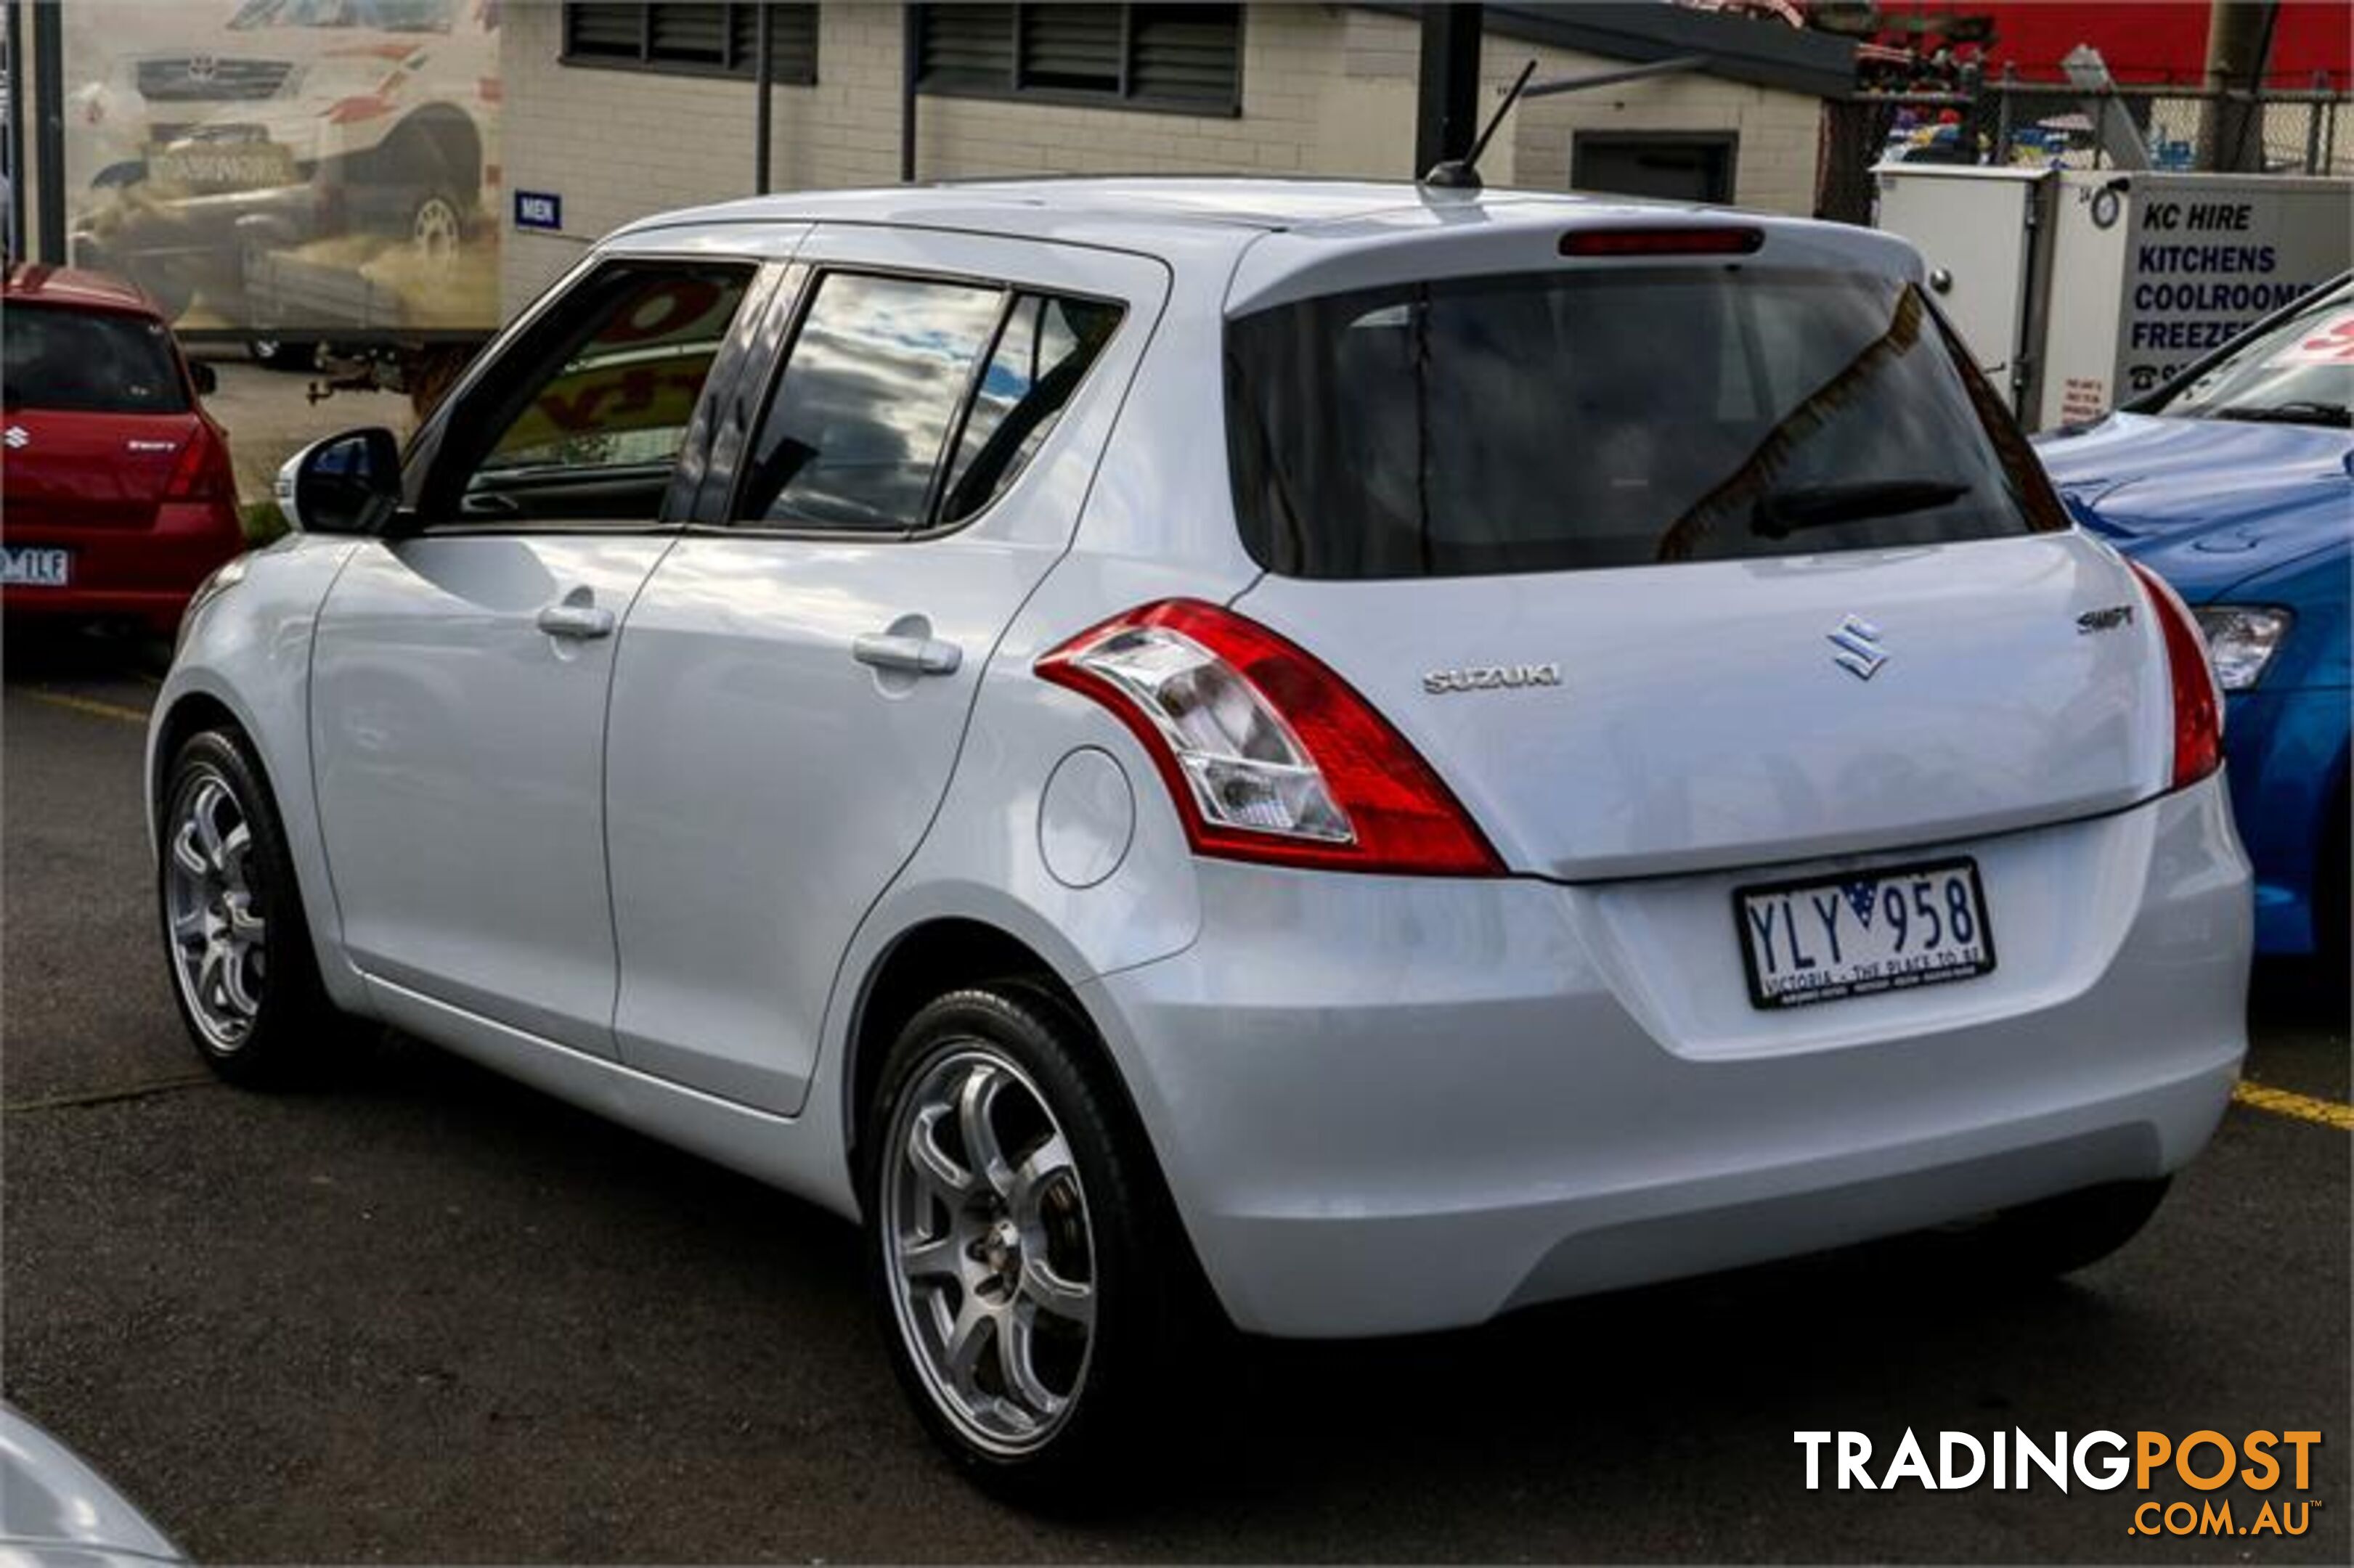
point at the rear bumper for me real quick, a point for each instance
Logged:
(1391, 1105)
(160, 611)
(147, 573)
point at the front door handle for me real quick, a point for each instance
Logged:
(577, 616)
(915, 655)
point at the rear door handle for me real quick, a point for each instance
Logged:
(915, 655)
(578, 616)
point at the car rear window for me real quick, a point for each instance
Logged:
(89, 362)
(1614, 418)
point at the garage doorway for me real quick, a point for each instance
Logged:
(1672, 165)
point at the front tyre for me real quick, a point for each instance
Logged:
(240, 949)
(1032, 1271)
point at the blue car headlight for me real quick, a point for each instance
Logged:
(2241, 640)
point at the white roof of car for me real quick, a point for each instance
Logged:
(1318, 220)
(1130, 210)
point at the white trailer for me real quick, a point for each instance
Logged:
(2079, 288)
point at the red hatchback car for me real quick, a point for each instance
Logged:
(116, 493)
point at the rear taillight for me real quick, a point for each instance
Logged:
(1269, 755)
(202, 472)
(2197, 713)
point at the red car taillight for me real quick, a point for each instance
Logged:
(2197, 714)
(1269, 755)
(203, 470)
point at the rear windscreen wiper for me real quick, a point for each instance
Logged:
(2302, 412)
(1782, 513)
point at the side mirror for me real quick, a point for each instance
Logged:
(346, 484)
(206, 379)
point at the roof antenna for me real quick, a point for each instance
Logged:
(1463, 173)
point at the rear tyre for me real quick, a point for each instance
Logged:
(243, 973)
(2059, 1235)
(1029, 1267)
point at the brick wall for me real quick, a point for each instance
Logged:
(1326, 90)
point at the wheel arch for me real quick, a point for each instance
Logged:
(949, 952)
(929, 960)
(190, 712)
(451, 139)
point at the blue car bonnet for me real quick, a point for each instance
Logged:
(2206, 502)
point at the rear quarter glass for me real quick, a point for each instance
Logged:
(1614, 416)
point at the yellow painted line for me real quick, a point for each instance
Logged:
(109, 1097)
(90, 705)
(128, 1091)
(2287, 1102)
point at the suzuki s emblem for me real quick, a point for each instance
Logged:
(1859, 652)
(17, 438)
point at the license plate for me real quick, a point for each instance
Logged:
(234, 166)
(30, 567)
(1820, 939)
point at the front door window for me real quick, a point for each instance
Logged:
(584, 419)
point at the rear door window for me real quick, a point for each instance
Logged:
(1613, 418)
(856, 427)
(908, 404)
(89, 362)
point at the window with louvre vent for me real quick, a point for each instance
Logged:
(966, 48)
(708, 40)
(1182, 58)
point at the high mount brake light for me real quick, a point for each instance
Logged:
(2197, 717)
(1269, 755)
(1713, 240)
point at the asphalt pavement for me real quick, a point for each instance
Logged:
(418, 1314)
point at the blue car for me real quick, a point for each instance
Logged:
(2236, 484)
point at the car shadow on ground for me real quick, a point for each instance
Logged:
(2301, 995)
(33, 651)
(1598, 1395)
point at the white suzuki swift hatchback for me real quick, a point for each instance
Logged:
(1360, 756)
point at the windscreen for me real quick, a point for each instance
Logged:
(2300, 372)
(1613, 418)
(86, 362)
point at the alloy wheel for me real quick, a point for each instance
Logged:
(989, 1249)
(219, 939)
(437, 230)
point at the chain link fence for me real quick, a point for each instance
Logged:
(2278, 131)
